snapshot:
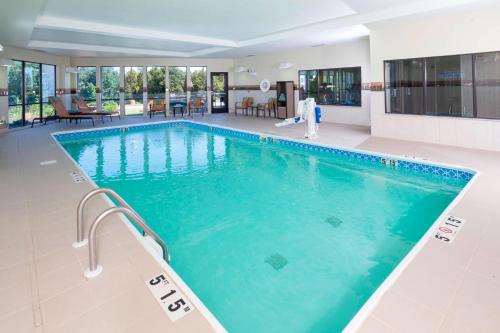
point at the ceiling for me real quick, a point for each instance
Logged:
(195, 28)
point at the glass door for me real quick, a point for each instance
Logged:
(219, 92)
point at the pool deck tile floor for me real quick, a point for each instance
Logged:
(446, 287)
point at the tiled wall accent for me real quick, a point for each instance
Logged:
(425, 168)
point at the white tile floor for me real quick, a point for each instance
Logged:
(446, 288)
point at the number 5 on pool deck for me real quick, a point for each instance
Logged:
(168, 295)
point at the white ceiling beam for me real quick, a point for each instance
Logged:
(220, 45)
(40, 44)
(58, 23)
(357, 19)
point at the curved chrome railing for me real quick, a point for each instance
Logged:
(125, 209)
(94, 268)
(80, 241)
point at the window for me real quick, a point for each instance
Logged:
(335, 86)
(30, 85)
(487, 85)
(86, 84)
(133, 91)
(177, 85)
(444, 86)
(349, 83)
(328, 87)
(156, 83)
(199, 83)
(110, 88)
(48, 89)
(308, 84)
(406, 89)
(15, 84)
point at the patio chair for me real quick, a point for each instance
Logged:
(197, 105)
(62, 112)
(81, 104)
(84, 109)
(269, 106)
(244, 105)
(157, 105)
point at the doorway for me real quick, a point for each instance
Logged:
(218, 82)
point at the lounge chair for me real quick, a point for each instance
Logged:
(269, 106)
(244, 105)
(62, 113)
(83, 108)
(157, 105)
(197, 105)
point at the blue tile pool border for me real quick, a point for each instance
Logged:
(392, 161)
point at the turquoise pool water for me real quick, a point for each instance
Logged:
(271, 238)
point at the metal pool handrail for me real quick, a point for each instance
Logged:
(80, 241)
(94, 268)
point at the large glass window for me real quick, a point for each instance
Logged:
(448, 88)
(110, 88)
(156, 84)
(405, 93)
(86, 84)
(177, 77)
(32, 95)
(15, 86)
(133, 91)
(308, 84)
(487, 74)
(349, 83)
(30, 84)
(48, 89)
(445, 86)
(328, 87)
(334, 86)
(199, 84)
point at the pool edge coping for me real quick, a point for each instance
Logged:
(369, 305)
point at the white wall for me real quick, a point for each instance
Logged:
(349, 54)
(436, 35)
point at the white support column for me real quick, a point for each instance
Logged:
(122, 91)
(98, 96)
(4, 100)
(189, 86)
(145, 105)
(167, 92)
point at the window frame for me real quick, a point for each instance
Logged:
(78, 80)
(336, 90)
(103, 100)
(474, 85)
(23, 89)
(205, 97)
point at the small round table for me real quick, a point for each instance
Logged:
(178, 107)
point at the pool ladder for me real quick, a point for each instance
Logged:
(94, 268)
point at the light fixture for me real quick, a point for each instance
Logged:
(6, 62)
(285, 65)
(71, 70)
(240, 69)
(1, 48)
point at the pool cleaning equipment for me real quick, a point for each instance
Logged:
(309, 113)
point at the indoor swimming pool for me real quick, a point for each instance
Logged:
(272, 235)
